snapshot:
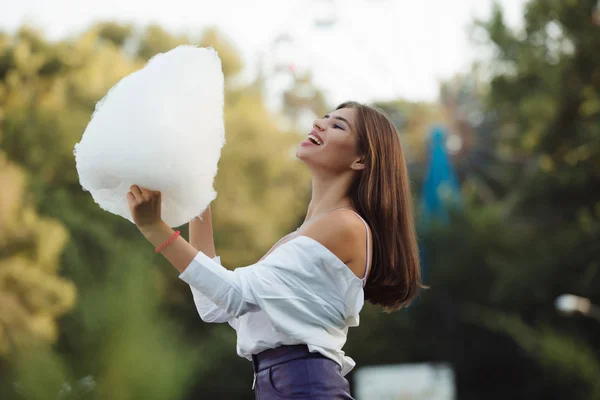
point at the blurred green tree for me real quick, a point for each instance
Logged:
(497, 268)
(529, 226)
(126, 327)
(32, 294)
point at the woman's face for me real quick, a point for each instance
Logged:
(332, 144)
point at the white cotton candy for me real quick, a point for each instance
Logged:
(160, 128)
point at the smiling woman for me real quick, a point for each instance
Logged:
(292, 309)
(361, 150)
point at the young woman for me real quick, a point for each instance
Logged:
(292, 309)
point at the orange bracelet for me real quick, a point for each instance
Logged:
(168, 242)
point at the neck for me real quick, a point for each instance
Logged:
(329, 194)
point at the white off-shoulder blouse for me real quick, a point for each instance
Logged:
(301, 293)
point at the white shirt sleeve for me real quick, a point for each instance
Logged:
(295, 286)
(220, 286)
(209, 311)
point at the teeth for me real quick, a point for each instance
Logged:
(315, 139)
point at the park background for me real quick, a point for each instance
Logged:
(498, 109)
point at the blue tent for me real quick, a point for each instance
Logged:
(440, 188)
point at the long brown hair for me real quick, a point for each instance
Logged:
(382, 196)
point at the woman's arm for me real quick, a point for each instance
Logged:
(201, 233)
(201, 238)
(207, 310)
(179, 252)
(242, 290)
(219, 285)
(145, 208)
(214, 282)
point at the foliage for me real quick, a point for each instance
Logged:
(527, 232)
(32, 294)
(127, 306)
(499, 265)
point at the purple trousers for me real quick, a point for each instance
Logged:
(292, 372)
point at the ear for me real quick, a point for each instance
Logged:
(358, 164)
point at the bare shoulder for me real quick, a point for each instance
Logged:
(342, 233)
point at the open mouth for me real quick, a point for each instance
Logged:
(314, 139)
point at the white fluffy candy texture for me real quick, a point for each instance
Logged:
(160, 128)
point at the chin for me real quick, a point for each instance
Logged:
(300, 153)
(308, 156)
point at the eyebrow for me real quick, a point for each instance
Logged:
(341, 119)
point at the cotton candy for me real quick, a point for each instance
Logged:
(160, 128)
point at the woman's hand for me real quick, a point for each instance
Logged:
(145, 206)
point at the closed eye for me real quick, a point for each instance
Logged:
(337, 126)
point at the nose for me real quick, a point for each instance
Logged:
(318, 124)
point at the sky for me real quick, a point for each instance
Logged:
(374, 50)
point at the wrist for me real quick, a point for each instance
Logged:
(157, 233)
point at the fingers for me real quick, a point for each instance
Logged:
(140, 194)
(156, 196)
(137, 192)
(131, 199)
(149, 195)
